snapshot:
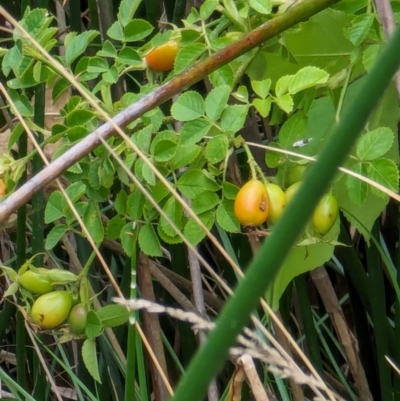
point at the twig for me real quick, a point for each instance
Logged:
(152, 329)
(332, 306)
(167, 284)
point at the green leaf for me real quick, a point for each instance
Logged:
(161, 136)
(165, 150)
(120, 202)
(226, 216)
(350, 6)
(285, 103)
(192, 183)
(97, 65)
(98, 195)
(108, 50)
(148, 241)
(159, 191)
(80, 208)
(58, 276)
(126, 11)
(320, 41)
(11, 273)
(92, 220)
(261, 88)
(35, 21)
(359, 28)
(15, 134)
(375, 143)
(142, 138)
(231, 7)
(174, 210)
(301, 259)
(233, 118)
(193, 232)
(204, 202)
(187, 55)
(115, 31)
(75, 191)
(282, 85)
(370, 55)
(229, 190)
(81, 72)
(261, 6)
(21, 102)
(263, 106)
(274, 159)
(241, 94)
(11, 290)
(184, 155)
(93, 326)
(53, 209)
(193, 131)
(189, 106)
(148, 174)
(76, 133)
(294, 129)
(12, 59)
(134, 205)
(128, 239)
(59, 88)
(79, 117)
(93, 174)
(161, 38)
(54, 236)
(113, 315)
(223, 76)
(176, 239)
(306, 78)
(89, 356)
(366, 213)
(137, 29)
(217, 149)
(357, 189)
(216, 101)
(129, 56)
(207, 8)
(106, 173)
(111, 76)
(77, 45)
(385, 172)
(139, 169)
(114, 227)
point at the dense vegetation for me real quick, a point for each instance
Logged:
(151, 152)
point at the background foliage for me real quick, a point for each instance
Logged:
(286, 95)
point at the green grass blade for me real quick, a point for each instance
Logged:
(377, 292)
(308, 323)
(14, 387)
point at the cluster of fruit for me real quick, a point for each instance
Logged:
(257, 203)
(53, 307)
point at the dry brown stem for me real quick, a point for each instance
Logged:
(346, 337)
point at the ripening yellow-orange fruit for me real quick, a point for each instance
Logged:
(3, 187)
(252, 204)
(277, 202)
(325, 214)
(289, 193)
(162, 58)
